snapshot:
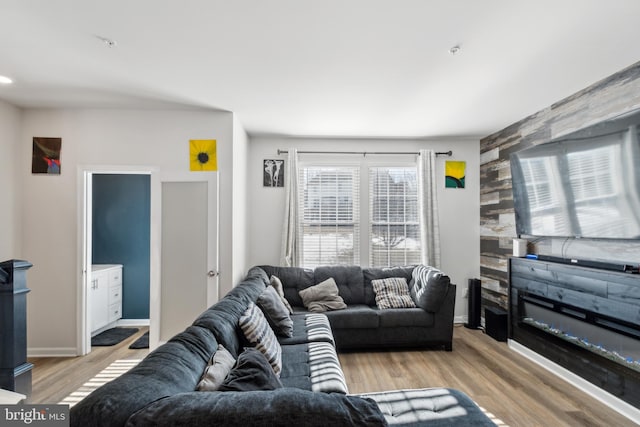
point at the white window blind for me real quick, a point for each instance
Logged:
(329, 216)
(394, 237)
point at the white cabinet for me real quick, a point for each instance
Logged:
(106, 295)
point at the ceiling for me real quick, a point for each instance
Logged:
(351, 68)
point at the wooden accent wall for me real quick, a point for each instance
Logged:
(617, 94)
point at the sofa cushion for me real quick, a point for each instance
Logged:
(252, 372)
(309, 327)
(258, 332)
(439, 407)
(392, 292)
(216, 371)
(370, 274)
(222, 317)
(277, 285)
(283, 407)
(275, 312)
(430, 287)
(293, 279)
(325, 370)
(222, 320)
(405, 318)
(322, 297)
(354, 316)
(347, 278)
(317, 362)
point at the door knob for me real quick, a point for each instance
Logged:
(212, 273)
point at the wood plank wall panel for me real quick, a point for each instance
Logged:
(617, 94)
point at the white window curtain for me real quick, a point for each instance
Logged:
(428, 202)
(289, 255)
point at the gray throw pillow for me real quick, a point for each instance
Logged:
(257, 331)
(277, 285)
(322, 297)
(430, 287)
(216, 371)
(252, 372)
(276, 313)
(392, 292)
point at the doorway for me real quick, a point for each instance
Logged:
(121, 228)
(104, 188)
(182, 194)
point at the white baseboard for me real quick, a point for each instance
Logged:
(460, 319)
(133, 322)
(52, 352)
(594, 391)
(465, 319)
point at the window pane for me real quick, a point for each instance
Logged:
(329, 209)
(394, 225)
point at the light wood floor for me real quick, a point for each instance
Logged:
(53, 378)
(515, 390)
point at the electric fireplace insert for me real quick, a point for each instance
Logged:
(586, 320)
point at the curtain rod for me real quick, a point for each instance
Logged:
(364, 153)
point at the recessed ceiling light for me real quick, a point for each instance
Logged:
(5, 80)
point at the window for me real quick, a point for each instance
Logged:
(332, 223)
(329, 215)
(393, 217)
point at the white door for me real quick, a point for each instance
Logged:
(189, 258)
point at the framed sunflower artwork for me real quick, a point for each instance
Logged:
(454, 173)
(202, 155)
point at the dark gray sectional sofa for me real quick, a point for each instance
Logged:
(161, 389)
(362, 325)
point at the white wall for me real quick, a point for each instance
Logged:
(10, 188)
(49, 203)
(239, 217)
(459, 208)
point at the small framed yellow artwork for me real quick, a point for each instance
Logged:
(454, 172)
(202, 155)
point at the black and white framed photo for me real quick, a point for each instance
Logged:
(273, 173)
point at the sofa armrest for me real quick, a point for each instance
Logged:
(444, 317)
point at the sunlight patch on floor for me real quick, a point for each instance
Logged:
(109, 373)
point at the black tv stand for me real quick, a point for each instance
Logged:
(625, 268)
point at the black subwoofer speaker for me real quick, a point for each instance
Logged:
(495, 323)
(475, 300)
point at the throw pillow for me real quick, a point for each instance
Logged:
(252, 372)
(277, 285)
(258, 332)
(276, 313)
(216, 371)
(392, 292)
(322, 297)
(430, 287)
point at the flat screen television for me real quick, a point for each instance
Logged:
(582, 185)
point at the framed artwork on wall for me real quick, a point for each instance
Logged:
(46, 155)
(454, 173)
(273, 173)
(203, 155)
